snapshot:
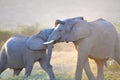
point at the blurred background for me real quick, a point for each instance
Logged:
(28, 17)
(45, 12)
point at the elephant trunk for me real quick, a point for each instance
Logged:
(49, 53)
(50, 40)
(53, 37)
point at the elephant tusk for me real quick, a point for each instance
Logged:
(49, 42)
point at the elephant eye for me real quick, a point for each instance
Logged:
(60, 30)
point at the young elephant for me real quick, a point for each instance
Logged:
(22, 52)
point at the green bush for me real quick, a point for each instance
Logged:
(112, 71)
(4, 35)
(113, 65)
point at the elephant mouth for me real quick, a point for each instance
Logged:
(54, 42)
(67, 41)
(60, 40)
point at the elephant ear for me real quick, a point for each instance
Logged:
(35, 43)
(81, 29)
(75, 21)
(81, 18)
(59, 22)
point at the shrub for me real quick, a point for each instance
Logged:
(28, 30)
(113, 66)
(4, 35)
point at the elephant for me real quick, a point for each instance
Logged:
(20, 52)
(97, 40)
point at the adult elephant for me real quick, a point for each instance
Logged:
(20, 52)
(98, 40)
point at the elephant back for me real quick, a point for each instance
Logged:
(35, 43)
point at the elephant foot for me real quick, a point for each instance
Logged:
(26, 77)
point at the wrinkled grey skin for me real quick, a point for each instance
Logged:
(17, 53)
(98, 40)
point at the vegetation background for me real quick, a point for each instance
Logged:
(63, 59)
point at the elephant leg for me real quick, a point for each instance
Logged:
(83, 51)
(79, 69)
(87, 67)
(1, 70)
(28, 68)
(16, 72)
(100, 67)
(2, 67)
(117, 59)
(47, 68)
(3, 61)
(48, 56)
(88, 71)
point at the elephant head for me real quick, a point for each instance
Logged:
(69, 30)
(35, 42)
